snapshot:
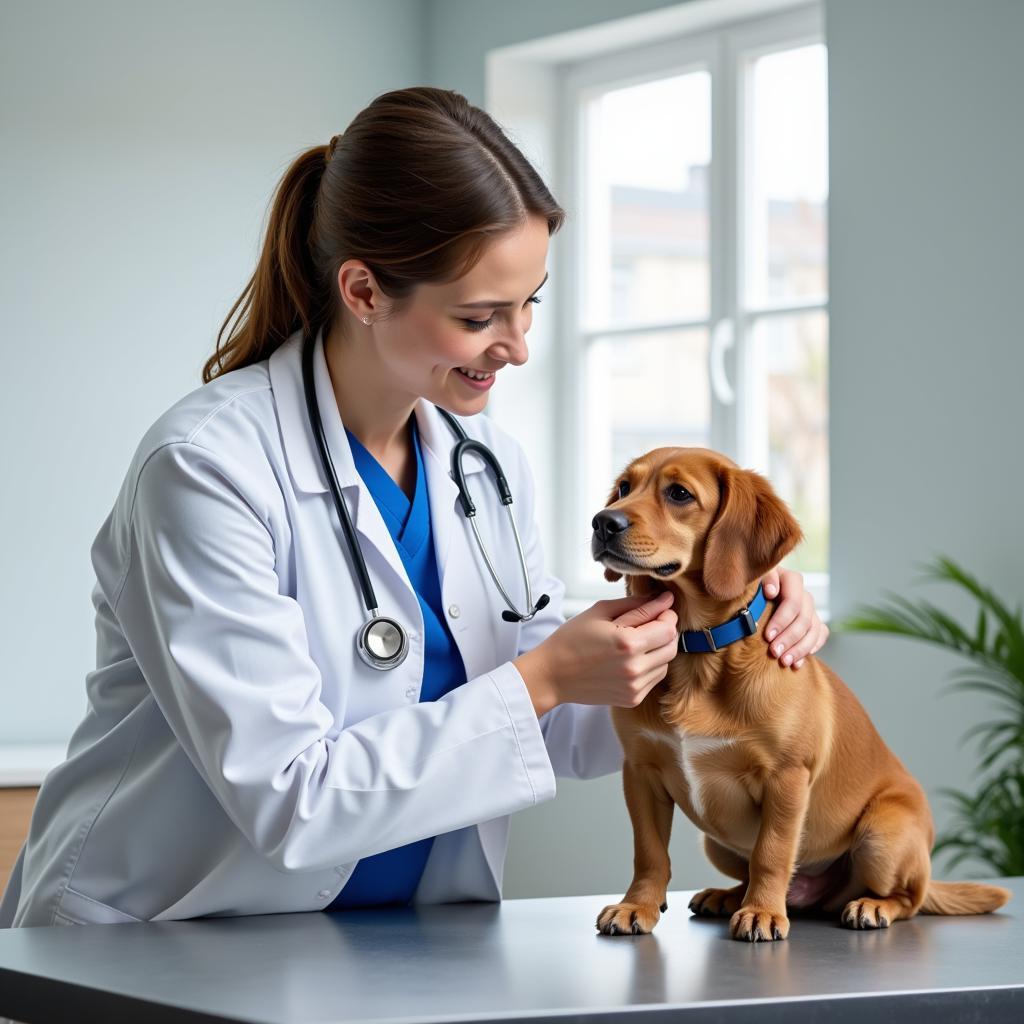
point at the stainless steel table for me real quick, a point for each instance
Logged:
(538, 960)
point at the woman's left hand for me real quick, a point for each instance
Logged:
(795, 630)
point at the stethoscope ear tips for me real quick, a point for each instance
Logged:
(515, 617)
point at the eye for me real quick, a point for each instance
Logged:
(479, 325)
(678, 493)
(623, 488)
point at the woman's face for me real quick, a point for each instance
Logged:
(478, 322)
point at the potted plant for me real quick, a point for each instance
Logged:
(989, 824)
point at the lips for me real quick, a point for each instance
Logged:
(620, 563)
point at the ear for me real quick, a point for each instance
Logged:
(752, 532)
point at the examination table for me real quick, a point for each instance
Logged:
(535, 960)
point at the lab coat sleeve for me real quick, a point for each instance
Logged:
(227, 659)
(580, 738)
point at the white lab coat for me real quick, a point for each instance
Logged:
(237, 756)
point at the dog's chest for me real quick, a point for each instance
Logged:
(702, 775)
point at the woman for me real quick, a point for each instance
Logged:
(239, 756)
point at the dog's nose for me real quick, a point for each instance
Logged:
(608, 522)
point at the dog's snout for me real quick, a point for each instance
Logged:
(609, 522)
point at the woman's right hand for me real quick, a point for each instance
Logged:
(613, 652)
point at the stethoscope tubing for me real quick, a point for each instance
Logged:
(369, 634)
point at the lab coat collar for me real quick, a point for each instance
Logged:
(436, 438)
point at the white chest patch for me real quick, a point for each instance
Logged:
(690, 754)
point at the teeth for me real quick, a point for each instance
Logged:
(475, 374)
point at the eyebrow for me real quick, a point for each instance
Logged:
(494, 303)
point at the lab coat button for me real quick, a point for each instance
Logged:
(453, 610)
(324, 893)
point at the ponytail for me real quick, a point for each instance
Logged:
(282, 294)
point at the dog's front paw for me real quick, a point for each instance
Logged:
(717, 902)
(628, 918)
(758, 924)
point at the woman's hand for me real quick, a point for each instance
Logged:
(795, 630)
(613, 653)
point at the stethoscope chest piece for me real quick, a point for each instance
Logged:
(382, 643)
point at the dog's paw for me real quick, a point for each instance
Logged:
(628, 918)
(717, 902)
(864, 913)
(758, 924)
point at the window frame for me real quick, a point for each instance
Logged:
(723, 51)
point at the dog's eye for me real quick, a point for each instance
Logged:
(623, 488)
(676, 492)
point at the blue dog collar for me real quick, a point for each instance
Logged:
(699, 641)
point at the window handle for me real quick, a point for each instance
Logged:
(721, 340)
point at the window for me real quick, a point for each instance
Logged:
(697, 184)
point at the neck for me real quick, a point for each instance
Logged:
(370, 405)
(698, 610)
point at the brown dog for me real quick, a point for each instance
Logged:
(797, 795)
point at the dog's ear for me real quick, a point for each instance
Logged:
(612, 576)
(752, 532)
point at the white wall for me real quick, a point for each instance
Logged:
(139, 148)
(927, 364)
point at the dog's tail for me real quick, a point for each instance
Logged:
(963, 898)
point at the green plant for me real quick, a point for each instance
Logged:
(988, 825)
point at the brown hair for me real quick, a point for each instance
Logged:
(416, 187)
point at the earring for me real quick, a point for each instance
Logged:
(366, 319)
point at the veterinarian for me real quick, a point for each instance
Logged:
(310, 691)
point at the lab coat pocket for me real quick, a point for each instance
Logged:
(77, 908)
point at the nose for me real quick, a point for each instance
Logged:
(517, 351)
(609, 522)
(513, 350)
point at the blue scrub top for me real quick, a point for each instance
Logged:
(391, 877)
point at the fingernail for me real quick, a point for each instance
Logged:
(779, 648)
(787, 659)
(771, 634)
(770, 590)
(799, 663)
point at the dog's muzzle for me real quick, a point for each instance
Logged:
(606, 545)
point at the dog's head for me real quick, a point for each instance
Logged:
(691, 515)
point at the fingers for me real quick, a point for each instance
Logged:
(652, 635)
(791, 591)
(653, 667)
(632, 614)
(823, 633)
(796, 629)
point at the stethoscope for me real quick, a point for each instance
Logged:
(382, 642)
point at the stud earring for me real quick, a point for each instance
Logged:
(366, 319)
